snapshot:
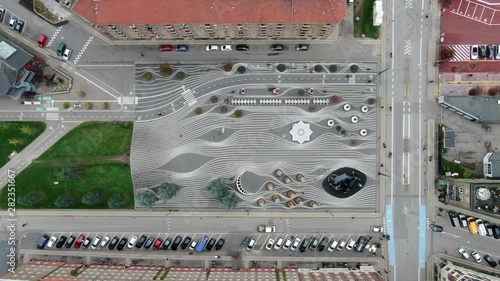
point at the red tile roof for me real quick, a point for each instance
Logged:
(104, 12)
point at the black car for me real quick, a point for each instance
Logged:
(453, 219)
(186, 242)
(149, 242)
(277, 47)
(2, 13)
(141, 241)
(181, 48)
(176, 243)
(122, 244)
(220, 243)
(304, 245)
(166, 243)
(482, 52)
(490, 260)
(70, 241)
(360, 244)
(19, 26)
(496, 231)
(210, 244)
(86, 243)
(436, 228)
(322, 244)
(61, 241)
(242, 48)
(113, 242)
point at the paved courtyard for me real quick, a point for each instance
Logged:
(207, 130)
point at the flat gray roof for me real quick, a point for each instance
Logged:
(13, 55)
(449, 138)
(484, 109)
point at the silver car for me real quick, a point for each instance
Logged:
(251, 243)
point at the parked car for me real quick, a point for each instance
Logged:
(482, 51)
(225, 48)
(266, 228)
(166, 243)
(489, 229)
(176, 243)
(132, 241)
(288, 243)
(42, 242)
(350, 244)
(277, 47)
(498, 53)
(378, 229)
(219, 244)
(104, 241)
(276, 91)
(463, 220)
(166, 48)
(341, 245)
(242, 91)
(302, 47)
(322, 244)
(193, 244)
(314, 244)
(122, 243)
(42, 39)
(490, 260)
(61, 241)
(463, 253)
(79, 241)
(67, 53)
(436, 228)
(149, 242)
(491, 51)
(270, 243)
(113, 242)
(86, 243)
(140, 242)
(186, 242)
(476, 256)
(360, 244)
(61, 48)
(158, 243)
(242, 48)
(496, 231)
(70, 241)
(480, 227)
(453, 217)
(333, 245)
(181, 48)
(251, 243)
(211, 48)
(19, 26)
(472, 225)
(304, 245)
(52, 241)
(474, 51)
(95, 243)
(296, 244)
(12, 23)
(2, 14)
(210, 244)
(279, 243)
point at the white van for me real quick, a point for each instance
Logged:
(27, 102)
(37, 102)
(480, 227)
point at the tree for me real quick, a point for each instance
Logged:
(92, 198)
(238, 113)
(146, 199)
(281, 67)
(167, 190)
(30, 199)
(15, 141)
(241, 69)
(198, 111)
(227, 66)
(27, 130)
(82, 94)
(165, 69)
(447, 53)
(89, 105)
(148, 76)
(69, 173)
(180, 75)
(66, 105)
(230, 201)
(116, 201)
(105, 105)
(64, 201)
(217, 189)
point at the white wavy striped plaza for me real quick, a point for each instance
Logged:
(190, 150)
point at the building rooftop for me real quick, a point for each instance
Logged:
(12, 59)
(105, 12)
(482, 109)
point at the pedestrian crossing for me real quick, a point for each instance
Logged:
(409, 4)
(83, 49)
(407, 47)
(462, 52)
(54, 37)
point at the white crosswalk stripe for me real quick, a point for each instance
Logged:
(188, 96)
(409, 4)
(407, 47)
(52, 116)
(462, 52)
(83, 49)
(54, 37)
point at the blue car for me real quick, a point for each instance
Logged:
(42, 242)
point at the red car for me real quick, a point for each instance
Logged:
(79, 241)
(157, 244)
(41, 40)
(166, 48)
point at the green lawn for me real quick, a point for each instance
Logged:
(364, 10)
(110, 178)
(453, 167)
(15, 136)
(92, 140)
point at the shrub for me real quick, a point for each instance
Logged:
(89, 105)
(167, 190)
(92, 198)
(223, 109)
(354, 68)
(447, 3)
(180, 75)
(238, 113)
(241, 69)
(332, 68)
(198, 111)
(30, 199)
(318, 68)
(66, 105)
(447, 53)
(165, 69)
(336, 99)
(148, 76)
(116, 201)
(281, 67)
(146, 199)
(69, 173)
(64, 201)
(227, 66)
(82, 94)
(105, 105)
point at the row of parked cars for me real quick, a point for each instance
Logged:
(144, 241)
(485, 51)
(475, 225)
(16, 24)
(477, 257)
(228, 47)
